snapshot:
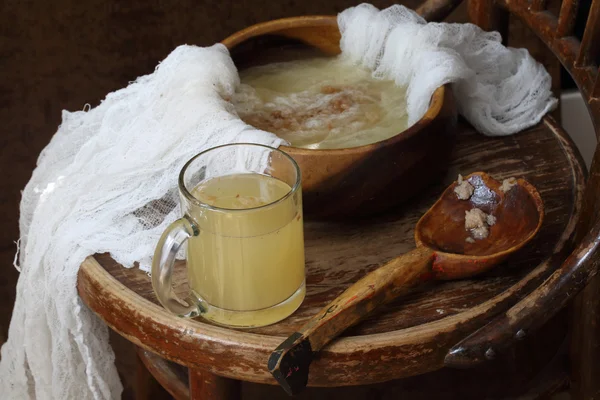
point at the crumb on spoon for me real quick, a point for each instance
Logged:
(478, 223)
(463, 189)
(508, 184)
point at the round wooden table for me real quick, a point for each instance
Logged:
(411, 336)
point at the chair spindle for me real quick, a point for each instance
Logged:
(566, 18)
(590, 46)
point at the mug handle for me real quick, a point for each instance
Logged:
(162, 267)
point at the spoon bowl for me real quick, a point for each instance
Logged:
(519, 213)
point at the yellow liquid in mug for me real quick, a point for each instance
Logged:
(248, 265)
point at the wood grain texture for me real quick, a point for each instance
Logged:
(579, 271)
(207, 386)
(171, 379)
(523, 318)
(586, 309)
(290, 361)
(442, 253)
(506, 378)
(413, 335)
(399, 276)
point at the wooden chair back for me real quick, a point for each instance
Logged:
(575, 278)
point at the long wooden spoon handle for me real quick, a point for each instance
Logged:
(290, 361)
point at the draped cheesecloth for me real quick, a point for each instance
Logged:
(499, 90)
(89, 194)
(95, 182)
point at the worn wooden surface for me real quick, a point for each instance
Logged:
(525, 317)
(207, 386)
(412, 335)
(499, 380)
(580, 58)
(172, 381)
(449, 384)
(442, 253)
(290, 361)
(583, 271)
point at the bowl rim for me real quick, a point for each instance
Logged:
(435, 105)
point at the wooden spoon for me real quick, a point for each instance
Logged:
(443, 252)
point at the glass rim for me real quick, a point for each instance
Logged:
(197, 202)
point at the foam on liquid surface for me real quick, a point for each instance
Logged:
(321, 103)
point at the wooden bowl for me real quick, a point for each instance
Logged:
(361, 180)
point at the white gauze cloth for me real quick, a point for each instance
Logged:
(100, 167)
(93, 183)
(499, 90)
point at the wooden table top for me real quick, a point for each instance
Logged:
(413, 333)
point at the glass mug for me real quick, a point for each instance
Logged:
(243, 226)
